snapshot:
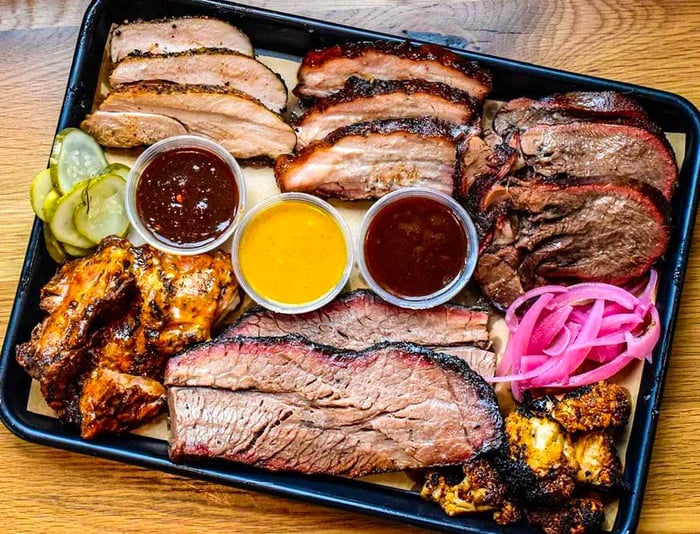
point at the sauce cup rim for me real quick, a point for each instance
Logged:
(450, 290)
(165, 145)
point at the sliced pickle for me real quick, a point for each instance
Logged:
(77, 252)
(75, 157)
(61, 222)
(55, 249)
(39, 190)
(103, 211)
(116, 168)
(49, 205)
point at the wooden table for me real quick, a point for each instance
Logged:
(45, 490)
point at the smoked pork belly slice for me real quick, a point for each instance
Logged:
(129, 129)
(206, 66)
(324, 71)
(241, 124)
(288, 404)
(176, 35)
(561, 108)
(584, 149)
(363, 101)
(360, 318)
(592, 230)
(370, 159)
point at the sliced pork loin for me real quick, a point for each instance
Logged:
(602, 230)
(176, 35)
(241, 124)
(363, 101)
(561, 108)
(288, 404)
(358, 319)
(583, 149)
(370, 159)
(129, 129)
(324, 71)
(206, 66)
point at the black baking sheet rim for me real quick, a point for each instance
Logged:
(289, 35)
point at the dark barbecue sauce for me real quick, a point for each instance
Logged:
(415, 246)
(187, 197)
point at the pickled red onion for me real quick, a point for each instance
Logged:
(577, 335)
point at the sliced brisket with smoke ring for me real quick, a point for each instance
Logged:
(602, 230)
(562, 108)
(358, 319)
(289, 404)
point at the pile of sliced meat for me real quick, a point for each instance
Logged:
(379, 116)
(575, 189)
(396, 390)
(191, 75)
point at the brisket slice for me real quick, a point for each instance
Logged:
(362, 101)
(176, 35)
(562, 108)
(582, 149)
(370, 159)
(288, 404)
(482, 362)
(241, 124)
(359, 319)
(324, 71)
(587, 230)
(206, 66)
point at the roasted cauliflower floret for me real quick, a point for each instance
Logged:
(481, 489)
(599, 406)
(538, 463)
(580, 515)
(597, 460)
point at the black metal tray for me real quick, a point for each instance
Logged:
(291, 36)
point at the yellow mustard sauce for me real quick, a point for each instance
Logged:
(292, 253)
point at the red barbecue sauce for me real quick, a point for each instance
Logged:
(415, 246)
(187, 197)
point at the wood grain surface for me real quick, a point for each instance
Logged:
(653, 43)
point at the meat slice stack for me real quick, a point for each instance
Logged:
(191, 75)
(360, 319)
(589, 201)
(287, 404)
(380, 116)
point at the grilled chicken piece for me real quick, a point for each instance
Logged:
(369, 160)
(241, 124)
(112, 402)
(362, 101)
(55, 353)
(206, 66)
(580, 515)
(600, 406)
(123, 129)
(325, 71)
(115, 318)
(479, 488)
(176, 35)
